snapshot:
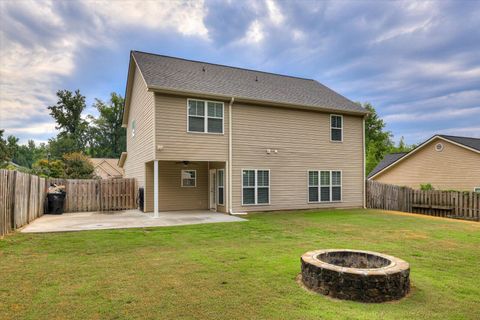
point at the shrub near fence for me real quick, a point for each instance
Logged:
(450, 204)
(23, 196)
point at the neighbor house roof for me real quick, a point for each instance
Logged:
(189, 76)
(107, 167)
(386, 161)
(390, 160)
(473, 143)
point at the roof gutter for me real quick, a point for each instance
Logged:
(253, 101)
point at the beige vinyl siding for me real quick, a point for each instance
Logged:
(172, 196)
(178, 144)
(140, 148)
(302, 139)
(454, 168)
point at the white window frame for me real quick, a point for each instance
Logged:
(206, 117)
(195, 179)
(255, 187)
(331, 127)
(313, 186)
(476, 189)
(331, 185)
(134, 127)
(221, 186)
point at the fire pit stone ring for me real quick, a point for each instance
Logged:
(364, 276)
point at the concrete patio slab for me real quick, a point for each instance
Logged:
(81, 221)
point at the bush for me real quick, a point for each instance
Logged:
(78, 166)
(426, 187)
(46, 168)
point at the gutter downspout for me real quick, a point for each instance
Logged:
(230, 156)
(364, 165)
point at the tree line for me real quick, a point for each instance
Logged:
(79, 138)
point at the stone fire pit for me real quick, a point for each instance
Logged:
(356, 275)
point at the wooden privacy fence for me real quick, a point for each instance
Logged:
(99, 195)
(450, 204)
(23, 196)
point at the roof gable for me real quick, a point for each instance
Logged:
(472, 144)
(108, 165)
(386, 161)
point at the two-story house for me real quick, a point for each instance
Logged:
(208, 136)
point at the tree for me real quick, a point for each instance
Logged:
(12, 146)
(5, 156)
(49, 168)
(378, 141)
(26, 155)
(78, 166)
(61, 145)
(107, 137)
(402, 146)
(68, 116)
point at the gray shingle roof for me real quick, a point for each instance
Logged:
(386, 161)
(201, 77)
(473, 143)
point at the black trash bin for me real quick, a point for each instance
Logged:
(140, 198)
(55, 202)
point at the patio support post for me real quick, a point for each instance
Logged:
(155, 188)
(230, 157)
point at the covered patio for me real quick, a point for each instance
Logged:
(185, 185)
(81, 221)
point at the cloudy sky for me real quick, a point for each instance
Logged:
(418, 63)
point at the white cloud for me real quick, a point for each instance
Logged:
(254, 34)
(422, 135)
(28, 72)
(430, 116)
(185, 17)
(274, 12)
(33, 62)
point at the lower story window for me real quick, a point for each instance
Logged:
(256, 186)
(324, 186)
(221, 186)
(189, 178)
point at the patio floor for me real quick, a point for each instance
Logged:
(123, 219)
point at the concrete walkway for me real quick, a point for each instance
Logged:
(123, 219)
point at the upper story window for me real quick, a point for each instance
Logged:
(205, 116)
(134, 125)
(336, 128)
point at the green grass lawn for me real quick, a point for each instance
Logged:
(243, 270)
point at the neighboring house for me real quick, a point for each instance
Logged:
(207, 136)
(447, 162)
(107, 168)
